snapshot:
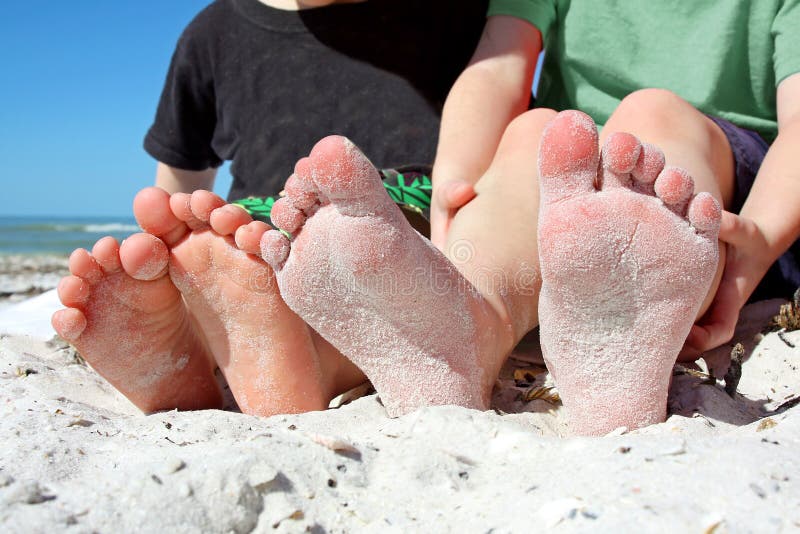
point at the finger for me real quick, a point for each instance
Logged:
(455, 194)
(736, 230)
(439, 227)
(715, 329)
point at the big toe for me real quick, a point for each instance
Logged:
(346, 178)
(568, 156)
(144, 257)
(151, 207)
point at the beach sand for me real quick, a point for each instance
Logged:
(77, 456)
(23, 276)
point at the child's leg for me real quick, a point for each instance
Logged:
(688, 139)
(492, 240)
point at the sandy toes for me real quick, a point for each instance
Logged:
(384, 296)
(265, 351)
(627, 256)
(158, 338)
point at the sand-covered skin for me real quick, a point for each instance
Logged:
(76, 456)
(360, 275)
(626, 262)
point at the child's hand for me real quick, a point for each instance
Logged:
(447, 199)
(745, 265)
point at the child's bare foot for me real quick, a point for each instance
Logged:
(627, 256)
(384, 296)
(127, 319)
(266, 352)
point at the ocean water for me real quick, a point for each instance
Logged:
(34, 235)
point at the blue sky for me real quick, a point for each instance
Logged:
(79, 85)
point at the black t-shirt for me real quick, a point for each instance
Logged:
(259, 86)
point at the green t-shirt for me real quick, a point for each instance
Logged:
(726, 57)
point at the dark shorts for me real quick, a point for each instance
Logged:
(749, 149)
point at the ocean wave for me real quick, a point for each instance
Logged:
(105, 228)
(85, 228)
(109, 228)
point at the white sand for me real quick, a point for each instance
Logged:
(76, 456)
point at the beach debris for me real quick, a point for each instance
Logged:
(172, 465)
(20, 371)
(79, 421)
(526, 376)
(545, 393)
(714, 523)
(791, 402)
(674, 449)
(29, 492)
(5, 480)
(185, 490)
(333, 443)
(758, 491)
(264, 477)
(70, 353)
(766, 424)
(734, 374)
(296, 515)
(788, 318)
(554, 512)
(352, 394)
(706, 379)
(460, 458)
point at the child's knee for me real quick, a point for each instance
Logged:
(530, 123)
(653, 106)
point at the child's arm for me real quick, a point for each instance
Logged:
(493, 89)
(768, 225)
(174, 180)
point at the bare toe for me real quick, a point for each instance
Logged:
(248, 237)
(286, 216)
(275, 249)
(302, 192)
(705, 215)
(648, 167)
(674, 186)
(106, 254)
(620, 154)
(568, 168)
(83, 265)
(202, 203)
(346, 178)
(228, 219)
(73, 291)
(69, 323)
(152, 210)
(144, 257)
(181, 206)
